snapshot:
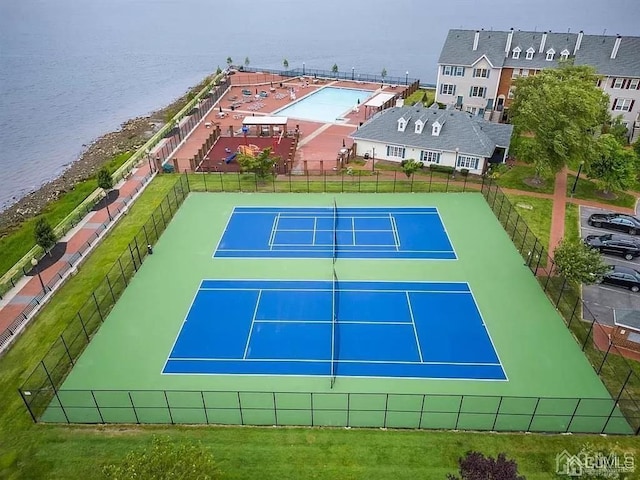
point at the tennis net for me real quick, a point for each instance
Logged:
(334, 327)
(335, 230)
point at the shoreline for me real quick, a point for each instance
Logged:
(131, 135)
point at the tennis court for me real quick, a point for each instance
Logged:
(335, 329)
(348, 232)
(242, 315)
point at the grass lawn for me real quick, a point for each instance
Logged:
(537, 213)
(515, 177)
(588, 190)
(572, 221)
(32, 451)
(15, 243)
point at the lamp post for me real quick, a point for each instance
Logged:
(575, 182)
(353, 73)
(302, 68)
(373, 159)
(34, 263)
(406, 78)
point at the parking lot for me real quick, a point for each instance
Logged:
(601, 300)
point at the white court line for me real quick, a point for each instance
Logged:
(315, 224)
(312, 360)
(274, 229)
(353, 231)
(328, 322)
(415, 331)
(253, 320)
(394, 229)
(369, 290)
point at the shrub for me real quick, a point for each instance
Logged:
(464, 172)
(435, 167)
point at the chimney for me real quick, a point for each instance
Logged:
(475, 40)
(507, 48)
(578, 42)
(616, 47)
(543, 41)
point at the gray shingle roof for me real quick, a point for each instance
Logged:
(471, 134)
(594, 50)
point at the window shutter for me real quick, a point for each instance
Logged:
(615, 102)
(387, 150)
(471, 91)
(454, 90)
(475, 164)
(441, 88)
(631, 105)
(613, 82)
(625, 83)
(403, 152)
(484, 92)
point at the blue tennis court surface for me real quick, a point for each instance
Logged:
(352, 232)
(346, 328)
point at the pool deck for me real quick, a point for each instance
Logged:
(319, 143)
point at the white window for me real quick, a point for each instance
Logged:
(393, 151)
(618, 82)
(530, 53)
(472, 110)
(446, 69)
(550, 54)
(525, 72)
(477, 91)
(633, 84)
(448, 89)
(428, 156)
(512, 90)
(564, 54)
(622, 104)
(458, 71)
(515, 73)
(516, 53)
(481, 72)
(465, 161)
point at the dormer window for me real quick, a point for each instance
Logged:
(530, 52)
(435, 129)
(550, 54)
(419, 126)
(564, 54)
(402, 124)
(516, 53)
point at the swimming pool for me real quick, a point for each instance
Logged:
(325, 105)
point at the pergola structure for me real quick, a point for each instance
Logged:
(266, 125)
(379, 102)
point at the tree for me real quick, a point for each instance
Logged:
(615, 166)
(578, 262)
(105, 180)
(383, 74)
(166, 460)
(246, 61)
(260, 164)
(334, 69)
(617, 128)
(44, 235)
(285, 64)
(229, 61)
(560, 109)
(218, 70)
(410, 166)
(475, 466)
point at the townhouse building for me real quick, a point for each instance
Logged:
(476, 69)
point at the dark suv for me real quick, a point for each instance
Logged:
(622, 277)
(615, 221)
(614, 245)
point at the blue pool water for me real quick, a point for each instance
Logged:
(326, 105)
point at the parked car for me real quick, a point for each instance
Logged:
(614, 244)
(615, 221)
(622, 277)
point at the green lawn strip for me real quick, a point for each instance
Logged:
(58, 452)
(515, 176)
(572, 221)
(588, 190)
(15, 243)
(536, 212)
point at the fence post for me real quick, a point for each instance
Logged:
(411, 185)
(575, 410)
(135, 414)
(33, 417)
(166, 399)
(311, 403)
(240, 408)
(162, 213)
(275, 409)
(386, 410)
(495, 420)
(135, 239)
(605, 357)
(64, 344)
(55, 391)
(349, 409)
(97, 306)
(204, 406)
(110, 289)
(146, 237)
(573, 313)
(83, 327)
(564, 282)
(239, 185)
(308, 191)
(97, 406)
(459, 411)
(533, 249)
(155, 227)
(615, 404)
(584, 345)
(533, 414)
(290, 186)
(424, 397)
(122, 271)
(464, 186)
(377, 174)
(133, 259)
(186, 177)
